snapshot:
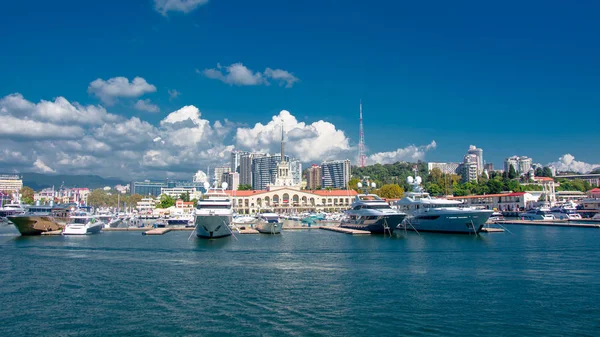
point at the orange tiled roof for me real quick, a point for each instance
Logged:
(321, 193)
(514, 194)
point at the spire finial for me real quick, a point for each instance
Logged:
(282, 143)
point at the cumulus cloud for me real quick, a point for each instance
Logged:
(568, 163)
(307, 142)
(409, 153)
(108, 91)
(239, 74)
(40, 167)
(64, 137)
(282, 76)
(146, 105)
(184, 6)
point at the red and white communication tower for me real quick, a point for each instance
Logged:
(362, 158)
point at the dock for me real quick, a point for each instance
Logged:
(548, 223)
(248, 231)
(157, 231)
(345, 230)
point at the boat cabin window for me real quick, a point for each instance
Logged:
(213, 206)
(80, 220)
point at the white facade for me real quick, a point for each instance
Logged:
(478, 153)
(470, 168)
(521, 164)
(219, 173)
(176, 192)
(446, 168)
(10, 183)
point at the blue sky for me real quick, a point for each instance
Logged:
(511, 78)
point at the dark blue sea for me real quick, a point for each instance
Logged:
(537, 281)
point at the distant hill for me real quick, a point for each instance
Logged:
(39, 181)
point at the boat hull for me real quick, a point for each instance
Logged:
(36, 225)
(212, 226)
(269, 227)
(463, 223)
(382, 225)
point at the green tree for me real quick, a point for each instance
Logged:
(133, 199)
(391, 191)
(244, 187)
(547, 172)
(494, 186)
(27, 195)
(539, 172)
(352, 184)
(195, 201)
(185, 196)
(512, 173)
(435, 189)
(166, 201)
(98, 198)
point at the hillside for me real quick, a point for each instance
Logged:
(38, 181)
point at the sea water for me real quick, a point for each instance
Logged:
(534, 281)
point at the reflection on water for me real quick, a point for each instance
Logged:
(539, 281)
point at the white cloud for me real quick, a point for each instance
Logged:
(409, 153)
(40, 167)
(239, 74)
(568, 163)
(282, 76)
(173, 94)
(59, 136)
(307, 142)
(108, 91)
(184, 6)
(146, 105)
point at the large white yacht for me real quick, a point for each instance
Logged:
(542, 213)
(427, 214)
(213, 214)
(565, 211)
(370, 213)
(82, 224)
(11, 209)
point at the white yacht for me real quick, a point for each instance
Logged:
(82, 224)
(269, 223)
(542, 213)
(11, 209)
(427, 214)
(565, 211)
(213, 214)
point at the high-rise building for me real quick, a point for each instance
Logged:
(470, 168)
(219, 171)
(521, 164)
(246, 167)
(296, 171)
(488, 167)
(314, 177)
(147, 187)
(479, 157)
(236, 160)
(233, 180)
(335, 174)
(10, 183)
(264, 170)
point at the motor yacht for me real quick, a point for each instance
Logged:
(213, 214)
(540, 214)
(427, 214)
(565, 211)
(83, 224)
(269, 223)
(371, 213)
